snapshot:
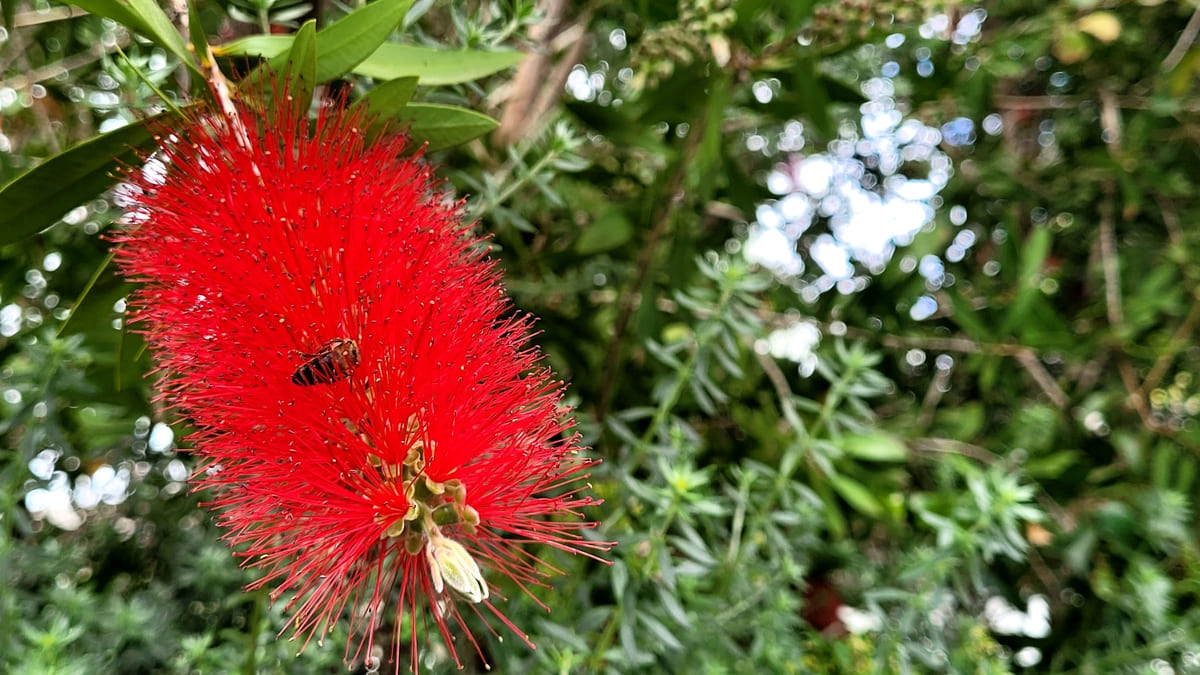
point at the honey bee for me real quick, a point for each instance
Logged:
(333, 361)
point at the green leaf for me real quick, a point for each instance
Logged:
(967, 317)
(391, 60)
(387, 100)
(87, 291)
(38, 198)
(345, 43)
(299, 64)
(196, 32)
(877, 446)
(1034, 253)
(302, 64)
(442, 126)
(812, 92)
(117, 11)
(148, 19)
(265, 46)
(1053, 465)
(857, 496)
(610, 230)
(434, 66)
(705, 172)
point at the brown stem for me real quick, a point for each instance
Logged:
(1033, 366)
(933, 396)
(960, 345)
(1015, 102)
(776, 376)
(662, 218)
(1184, 43)
(520, 111)
(1178, 341)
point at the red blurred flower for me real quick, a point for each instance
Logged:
(372, 419)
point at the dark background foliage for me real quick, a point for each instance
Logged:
(964, 441)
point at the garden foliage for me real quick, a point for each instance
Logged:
(881, 317)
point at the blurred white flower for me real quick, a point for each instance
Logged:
(1005, 619)
(858, 621)
(797, 343)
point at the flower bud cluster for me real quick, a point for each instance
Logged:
(697, 35)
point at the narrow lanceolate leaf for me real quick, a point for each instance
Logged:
(387, 100)
(442, 126)
(877, 446)
(390, 60)
(341, 46)
(118, 11)
(38, 198)
(857, 496)
(435, 66)
(299, 63)
(1033, 255)
(302, 64)
(346, 43)
(196, 33)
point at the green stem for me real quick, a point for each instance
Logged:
(684, 372)
(485, 206)
(833, 400)
(253, 629)
(658, 535)
(605, 641)
(830, 405)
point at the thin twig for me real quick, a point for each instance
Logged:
(960, 345)
(664, 215)
(1028, 357)
(1111, 266)
(1170, 220)
(1014, 102)
(533, 82)
(178, 13)
(933, 395)
(1178, 341)
(776, 376)
(1184, 43)
(1110, 120)
(1049, 579)
(1036, 102)
(1132, 388)
(1034, 367)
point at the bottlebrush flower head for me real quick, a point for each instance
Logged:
(374, 425)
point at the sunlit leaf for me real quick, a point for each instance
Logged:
(298, 63)
(442, 126)
(386, 100)
(877, 446)
(856, 495)
(610, 230)
(344, 44)
(435, 66)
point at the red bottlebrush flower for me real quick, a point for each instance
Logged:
(373, 422)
